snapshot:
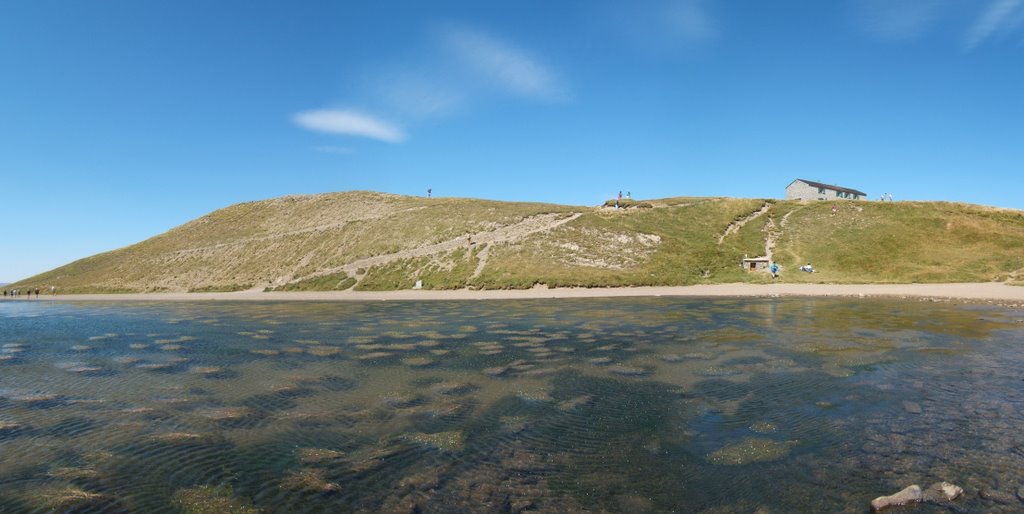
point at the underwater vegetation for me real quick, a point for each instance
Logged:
(617, 405)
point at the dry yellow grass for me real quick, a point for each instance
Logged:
(379, 241)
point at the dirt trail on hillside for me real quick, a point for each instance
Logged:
(370, 216)
(735, 226)
(775, 233)
(508, 233)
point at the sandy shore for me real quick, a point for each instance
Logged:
(981, 291)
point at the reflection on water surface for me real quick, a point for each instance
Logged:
(623, 405)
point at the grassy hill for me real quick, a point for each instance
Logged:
(376, 241)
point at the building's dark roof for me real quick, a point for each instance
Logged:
(834, 188)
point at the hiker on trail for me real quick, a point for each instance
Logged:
(429, 192)
(629, 195)
(37, 292)
(53, 290)
(774, 268)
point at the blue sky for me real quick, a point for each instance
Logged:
(121, 119)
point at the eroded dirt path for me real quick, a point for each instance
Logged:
(508, 233)
(735, 226)
(774, 233)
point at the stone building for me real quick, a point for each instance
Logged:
(756, 263)
(801, 189)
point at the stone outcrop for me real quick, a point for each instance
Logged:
(939, 493)
(942, 492)
(911, 494)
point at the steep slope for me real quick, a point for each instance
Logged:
(273, 242)
(376, 241)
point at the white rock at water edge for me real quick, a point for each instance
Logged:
(938, 493)
(911, 494)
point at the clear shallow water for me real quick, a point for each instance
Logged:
(625, 405)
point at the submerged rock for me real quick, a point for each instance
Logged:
(751, 450)
(764, 427)
(206, 370)
(628, 371)
(10, 429)
(400, 401)
(912, 494)
(997, 496)
(39, 401)
(496, 371)
(74, 473)
(178, 437)
(912, 407)
(211, 500)
(309, 480)
(418, 362)
(453, 388)
(942, 492)
(324, 351)
(224, 413)
(319, 455)
(156, 366)
(515, 424)
(572, 403)
(69, 498)
(372, 356)
(85, 370)
(444, 441)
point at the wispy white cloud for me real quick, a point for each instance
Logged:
(689, 19)
(999, 15)
(421, 95)
(349, 123)
(458, 67)
(502, 64)
(897, 20)
(660, 26)
(334, 149)
(903, 20)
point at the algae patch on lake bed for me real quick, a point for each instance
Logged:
(750, 451)
(606, 405)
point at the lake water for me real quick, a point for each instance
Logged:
(619, 405)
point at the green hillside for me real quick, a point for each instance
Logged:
(376, 241)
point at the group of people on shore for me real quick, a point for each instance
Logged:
(773, 268)
(15, 293)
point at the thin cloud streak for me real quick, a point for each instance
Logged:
(349, 123)
(420, 96)
(503, 65)
(901, 20)
(689, 19)
(993, 19)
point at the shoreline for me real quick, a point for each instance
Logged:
(992, 291)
